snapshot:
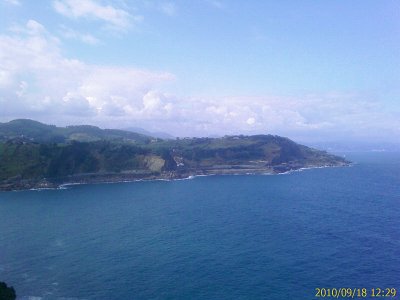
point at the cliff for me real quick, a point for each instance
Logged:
(30, 160)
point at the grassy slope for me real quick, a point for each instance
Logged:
(38, 132)
(32, 150)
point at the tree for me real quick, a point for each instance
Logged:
(7, 293)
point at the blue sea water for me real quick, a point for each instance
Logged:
(218, 237)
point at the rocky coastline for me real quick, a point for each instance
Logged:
(15, 184)
(34, 155)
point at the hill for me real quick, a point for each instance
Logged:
(47, 156)
(33, 131)
(159, 134)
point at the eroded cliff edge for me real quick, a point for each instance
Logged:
(45, 156)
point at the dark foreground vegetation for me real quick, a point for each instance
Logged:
(7, 293)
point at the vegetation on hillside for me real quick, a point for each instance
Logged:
(33, 131)
(31, 150)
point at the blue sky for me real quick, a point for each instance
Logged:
(310, 70)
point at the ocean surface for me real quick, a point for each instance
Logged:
(218, 237)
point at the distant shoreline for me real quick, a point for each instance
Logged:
(98, 178)
(38, 156)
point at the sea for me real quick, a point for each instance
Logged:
(269, 237)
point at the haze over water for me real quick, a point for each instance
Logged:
(217, 237)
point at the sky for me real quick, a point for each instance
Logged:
(306, 69)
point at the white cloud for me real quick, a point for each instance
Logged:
(308, 117)
(251, 121)
(77, 105)
(33, 27)
(75, 35)
(13, 2)
(115, 17)
(216, 3)
(37, 81)
(168, 8)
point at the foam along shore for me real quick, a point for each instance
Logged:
(36, 155)
(96, 178)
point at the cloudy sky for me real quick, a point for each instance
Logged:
(310, 70)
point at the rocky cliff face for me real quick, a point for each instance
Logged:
(26, 163)
(154, 163)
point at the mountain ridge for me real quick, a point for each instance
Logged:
(39, 132)
(46, 156)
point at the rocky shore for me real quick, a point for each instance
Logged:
(14, 184)
(39, 156)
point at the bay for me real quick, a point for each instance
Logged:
(216, 237)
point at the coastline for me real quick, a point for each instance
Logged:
(100, 178)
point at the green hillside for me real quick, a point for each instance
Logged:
(34, 154)
(34, 131)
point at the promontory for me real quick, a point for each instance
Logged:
(36, 155)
